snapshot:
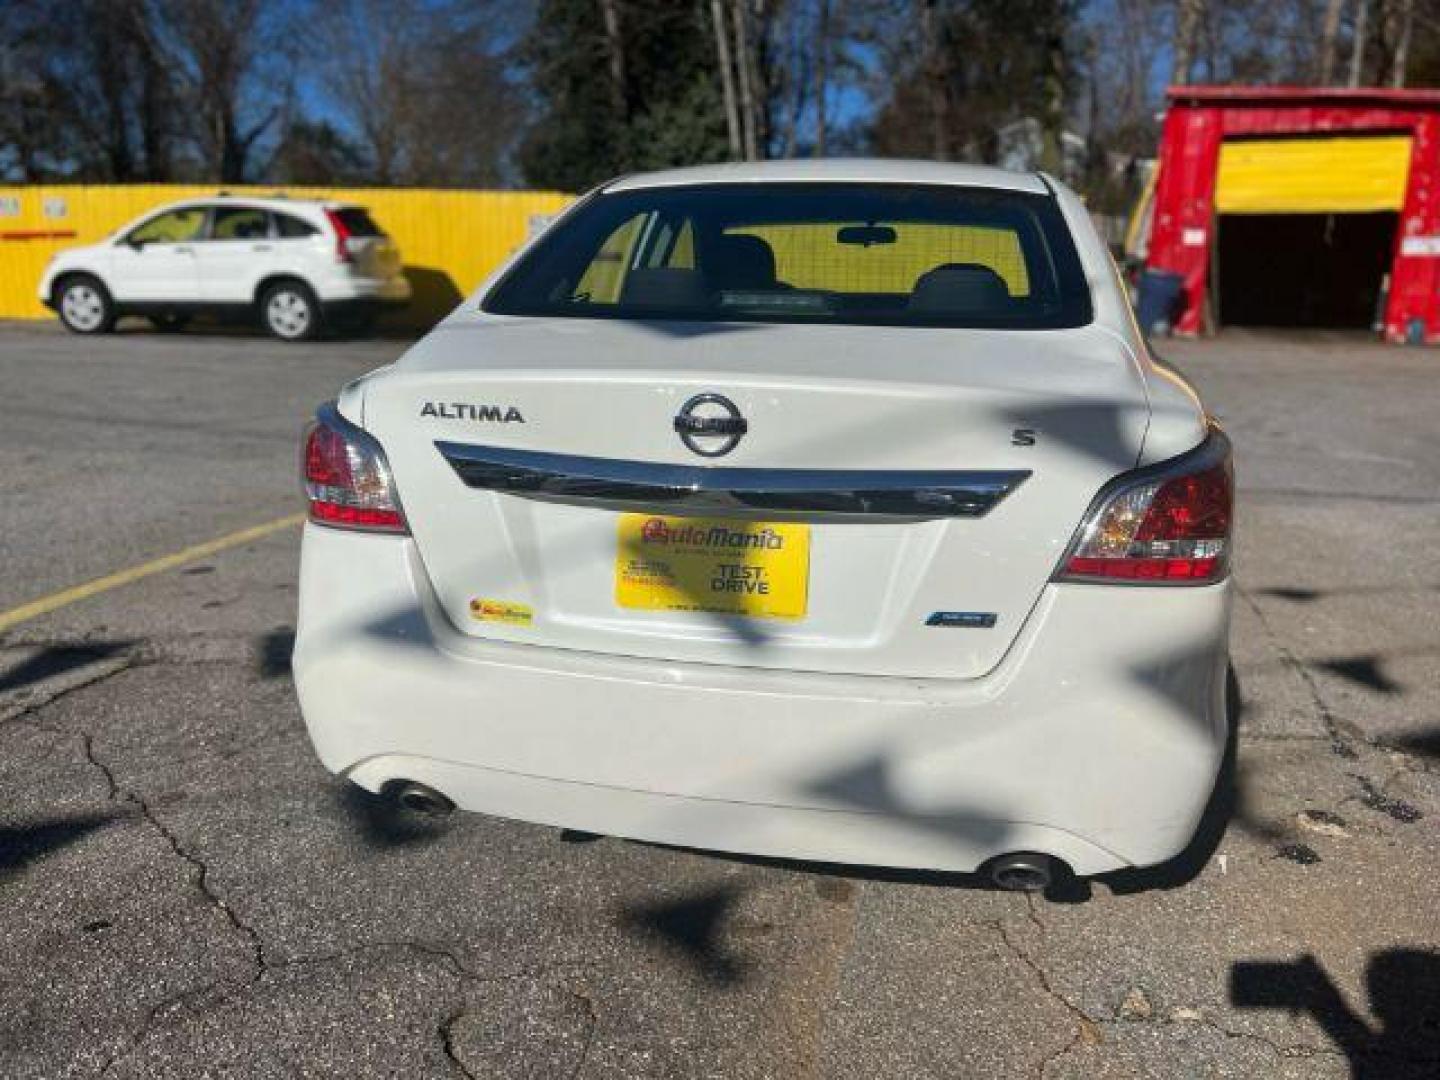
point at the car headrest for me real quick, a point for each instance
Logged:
(741, 262)
(665, 287)
(960, 289)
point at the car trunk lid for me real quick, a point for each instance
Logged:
(902, 495)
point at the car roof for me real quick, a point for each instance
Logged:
(837, 170)
(276, 201)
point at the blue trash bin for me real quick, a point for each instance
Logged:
(1159, 302)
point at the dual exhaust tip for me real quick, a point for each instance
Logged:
(420, 799)
(1025, 871)
(1019, 871)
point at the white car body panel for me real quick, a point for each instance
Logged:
(1059, 749)
(1088, 722)
(159, 272)
(815, 398)
(839, 171)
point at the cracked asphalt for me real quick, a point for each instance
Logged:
(185, 892)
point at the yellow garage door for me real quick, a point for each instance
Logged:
(1312, 176)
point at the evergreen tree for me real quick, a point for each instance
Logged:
(981, 65)
(620, 86)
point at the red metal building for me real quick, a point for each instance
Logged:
(1301, 207)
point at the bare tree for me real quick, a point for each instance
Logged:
(935, 65)
(1139, 32)
(727, 75)
(1399, 25)
(1357, 52)
(793, 85)
(1055, 80)
(1189, 20)
(1329, 34)
(822, 69)
(87, 92)
(758, 58)
(615, 51)
(422, 87)
(745, 67)
(371, 52)
(235, 62)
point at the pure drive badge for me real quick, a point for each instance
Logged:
(464, 410)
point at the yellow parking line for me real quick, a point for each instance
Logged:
(46, 604)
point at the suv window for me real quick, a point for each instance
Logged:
(171, 227)
(293, 228)
(830, 253)
(357, 221)
(239, 223)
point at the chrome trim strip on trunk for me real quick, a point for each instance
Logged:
(570, 478)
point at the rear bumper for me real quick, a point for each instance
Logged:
(389, 291)
(341, 291)
(1097, 739)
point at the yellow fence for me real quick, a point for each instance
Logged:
(450, 239)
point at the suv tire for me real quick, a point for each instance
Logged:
(289, 311)
(84, 305)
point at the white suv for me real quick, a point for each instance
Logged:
(299, 265)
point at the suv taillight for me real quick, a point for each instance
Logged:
(1168, 524)
(342, 237)
(347, 478)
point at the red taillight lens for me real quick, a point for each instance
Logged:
(347, 478)
(1169, 525)
(342, 237)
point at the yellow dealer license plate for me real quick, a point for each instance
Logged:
(717, 565)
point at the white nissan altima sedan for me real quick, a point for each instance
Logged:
(824, 510)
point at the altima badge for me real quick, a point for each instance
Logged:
(710, 425)
(464, 410)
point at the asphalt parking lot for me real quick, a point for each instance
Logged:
(185, 892)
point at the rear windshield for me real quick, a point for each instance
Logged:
(358, 222)
(794, 253)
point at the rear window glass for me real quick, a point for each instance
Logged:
(825, 253)
(358, 222)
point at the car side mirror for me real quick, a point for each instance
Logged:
(134, 244)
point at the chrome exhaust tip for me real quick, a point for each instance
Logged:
(1024, 871)
(421, 799)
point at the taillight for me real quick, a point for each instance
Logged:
(342, 237)
(1164, 525)
(347, 478)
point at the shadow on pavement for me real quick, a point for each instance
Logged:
(382, 824)
(433, 295)
(691, 928)
(1404, 991)
(1363, 671)
(1426, 744)
(23, 844)
(1296, 596)
(1309, 596)
(53, 660)
(276, 648)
